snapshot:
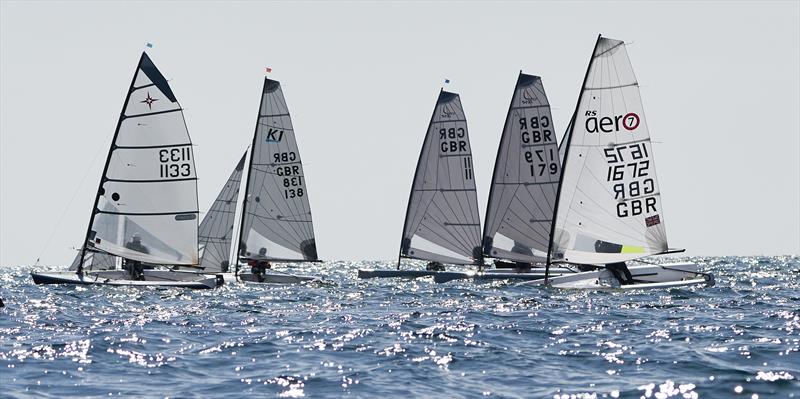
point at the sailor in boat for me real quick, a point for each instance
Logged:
(434, 267)
(134, 267)
(259, 267)
(620, 272)
(522, 267)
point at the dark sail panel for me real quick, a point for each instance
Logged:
(442, 222)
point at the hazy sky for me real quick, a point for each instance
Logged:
(720, 85)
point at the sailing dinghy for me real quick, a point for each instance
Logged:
(608, 209)
(524, 185)
(145, 211)
(442, 224)
(276, 223)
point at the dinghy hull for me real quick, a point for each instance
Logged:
(645, 277)
(276, 278)
(153, 278)
(499, 274)
(389, 273)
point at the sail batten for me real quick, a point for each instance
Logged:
(525, 178)
(442, 222)
(146, 204)
(276, 214)
(610, 208)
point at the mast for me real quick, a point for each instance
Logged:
(108, 160)
(416, 172)
(247, 181)
(564, 161)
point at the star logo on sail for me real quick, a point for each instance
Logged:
(149, 101)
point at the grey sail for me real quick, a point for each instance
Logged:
(442, 222)
(146, 205)
(94, 261)
(609, 207)
(216, 229)
(276, 215)
(525, 181)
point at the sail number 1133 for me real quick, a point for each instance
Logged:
(175, 162)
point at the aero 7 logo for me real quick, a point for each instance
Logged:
(607, 124)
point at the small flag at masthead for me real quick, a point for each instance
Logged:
(149, 45)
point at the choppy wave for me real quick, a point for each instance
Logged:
(407, 338)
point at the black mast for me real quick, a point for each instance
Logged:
(564, 162)
(416, 172)
(103, 179)
(249, 170)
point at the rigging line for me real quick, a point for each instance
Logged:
(69, 204)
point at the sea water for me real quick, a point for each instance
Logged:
(392, 338)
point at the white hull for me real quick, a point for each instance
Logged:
(645, 277)
(500, 274)
(152, 278)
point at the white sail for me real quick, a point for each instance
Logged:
(519, 215)
(146, 207)
(442, 222)
(276, 215)
(609, 207)
(216, 229)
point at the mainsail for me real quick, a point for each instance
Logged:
(216, 228)
(146, 205)
(609, 206)
(276, 215)
(442, 222)
(525, 181)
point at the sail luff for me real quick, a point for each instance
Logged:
(108, 160)
(564, 160)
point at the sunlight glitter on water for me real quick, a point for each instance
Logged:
(403, 338)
